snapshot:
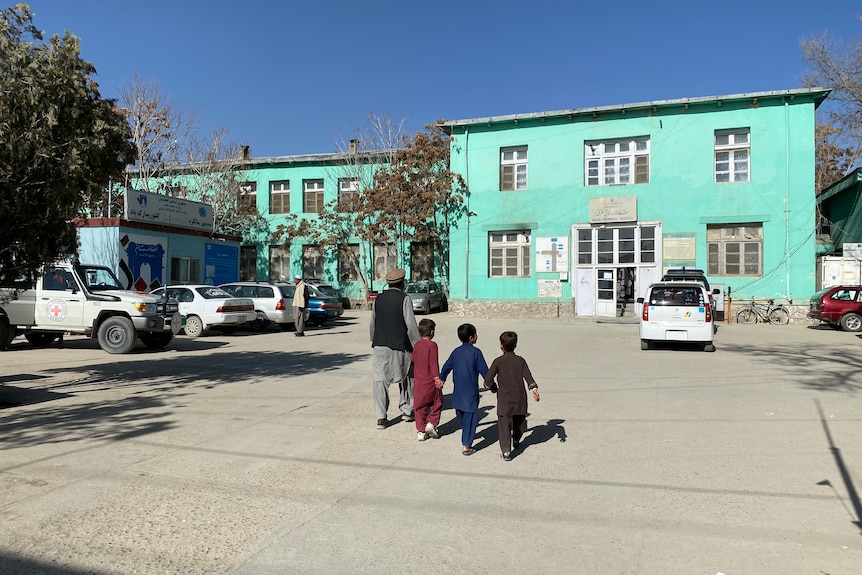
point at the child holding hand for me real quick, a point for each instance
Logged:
(511, 371)
(467, 364)
(427, 395)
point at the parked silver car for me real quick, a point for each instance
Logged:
(273, 302)
(427, 296)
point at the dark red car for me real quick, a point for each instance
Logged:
(839, 306)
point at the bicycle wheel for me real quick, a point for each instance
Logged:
(779, 316)
(746, 316)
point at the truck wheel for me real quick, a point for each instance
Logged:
(40, 339)
(157, 340)
(117, 335)
(851, 322)
(194, 326)
(7, 334)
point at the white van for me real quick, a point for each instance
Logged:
(677, 311)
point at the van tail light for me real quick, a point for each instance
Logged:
(280, 305)
(708, 311)
(645, 313)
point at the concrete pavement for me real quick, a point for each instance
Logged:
(258, 454)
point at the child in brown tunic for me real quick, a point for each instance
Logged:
(511, 372)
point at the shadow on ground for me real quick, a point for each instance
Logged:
(155, 387)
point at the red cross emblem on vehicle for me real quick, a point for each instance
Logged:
(56, 310)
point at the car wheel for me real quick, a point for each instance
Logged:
(117, 335)
(645, 345)
(156, 340)
(194, 326)
(708, 347)
(260, 323)
(851, 322)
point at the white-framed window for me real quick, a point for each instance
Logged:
(312, 198)
(312, 262)
(513, 168)
(735, 249)
(732, 156)
(615, 162)
(385, 259)
(509, 254)
(346, 270)
(279, 263)
(279, 197)
(248, 195)
(616, 245)
(348, 193)
(185, 271)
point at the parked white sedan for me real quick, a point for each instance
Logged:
(206, 306)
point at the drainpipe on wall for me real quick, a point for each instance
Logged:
(787, 199)
(469, 213)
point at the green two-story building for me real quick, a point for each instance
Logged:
(575, 212)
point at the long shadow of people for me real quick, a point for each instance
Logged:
(542, 433)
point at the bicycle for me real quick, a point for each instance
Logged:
(773, 313)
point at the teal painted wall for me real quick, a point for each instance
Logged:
(681, 193)
(296, 173)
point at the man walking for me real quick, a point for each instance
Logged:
(300, 304)
(393, 333)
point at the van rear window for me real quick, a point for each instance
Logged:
(676, 295)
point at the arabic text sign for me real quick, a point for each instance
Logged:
(167, 210)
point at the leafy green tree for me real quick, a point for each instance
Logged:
(60, 143)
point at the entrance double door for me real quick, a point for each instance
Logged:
(614, 265)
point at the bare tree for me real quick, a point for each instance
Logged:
(160, 129)
(214, 172)
(839, 119)
(172, 160)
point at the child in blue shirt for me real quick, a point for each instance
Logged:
(467, 364)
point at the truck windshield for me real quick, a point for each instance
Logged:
(98, 278)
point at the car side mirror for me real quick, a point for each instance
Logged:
(716, 291)
(640, 300)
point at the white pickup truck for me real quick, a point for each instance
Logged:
(86, 299)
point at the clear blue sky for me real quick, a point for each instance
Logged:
(286, 77)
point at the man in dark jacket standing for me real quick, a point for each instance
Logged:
(393, 333)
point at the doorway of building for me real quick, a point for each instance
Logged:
(626, 278)
(615, 291)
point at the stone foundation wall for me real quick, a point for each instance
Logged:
(566, 310)
(512, 309)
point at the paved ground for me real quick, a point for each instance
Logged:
(257, 453)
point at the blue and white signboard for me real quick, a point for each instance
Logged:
(167, 210)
